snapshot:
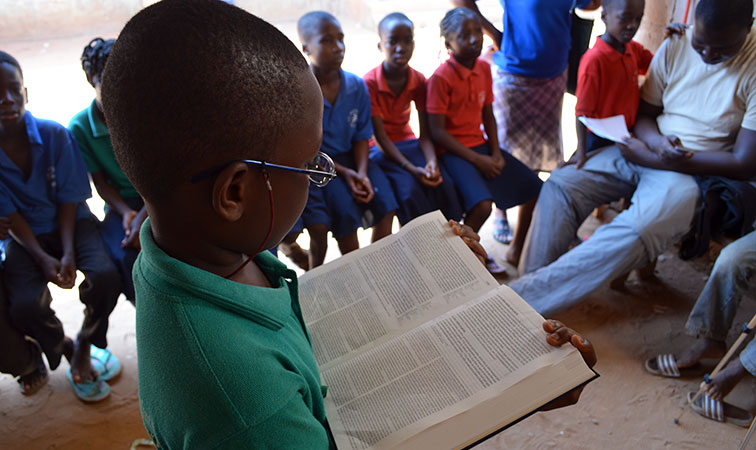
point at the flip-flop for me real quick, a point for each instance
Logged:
(105, 363)
(90, 392)
(502, 231)
(665, 365)
(494, 268)
(720, 411)
(41, 372)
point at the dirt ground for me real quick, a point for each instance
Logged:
(624, 409)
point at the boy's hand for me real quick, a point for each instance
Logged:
(429, 175)
(5, 224)
(131, 238)
(126, 221)
(675, 29)
(633, 150)
(668, 149)
(498, 160)
(559, 335)
(578, 158)
(471, 238)
(360, 186)
(485, 164)
(67, 272)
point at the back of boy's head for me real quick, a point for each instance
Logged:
(724, 14)
(8, 59)
(308, 25)
(95, 55)
(191, 84)
(453, 20)
(391, 19)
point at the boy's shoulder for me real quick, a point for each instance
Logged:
(352, 82)
(80, 119)
(45, 131)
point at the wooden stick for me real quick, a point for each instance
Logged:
(719, 366)
(747, 436)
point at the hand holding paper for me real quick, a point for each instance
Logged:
(612, 128)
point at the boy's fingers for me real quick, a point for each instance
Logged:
(586, 349)
(475, 246)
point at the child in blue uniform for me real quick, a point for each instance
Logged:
(54, 234)
(420, 183)
(124, 209)
(361, 187)
(225, 360)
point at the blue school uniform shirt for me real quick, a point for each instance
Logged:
(348, 119)
(58, 175)
(536, 37)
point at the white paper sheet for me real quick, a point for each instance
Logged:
(612, 128)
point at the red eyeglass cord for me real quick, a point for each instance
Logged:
(270, 228)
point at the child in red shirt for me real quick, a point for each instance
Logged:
(608, 74)
(459, 100)
(418, 180)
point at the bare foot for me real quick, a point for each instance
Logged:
(32, 382)
(704, 348)
(77, 354)
(726, 380)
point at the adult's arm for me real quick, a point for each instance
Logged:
(739, 164)
(109, 194)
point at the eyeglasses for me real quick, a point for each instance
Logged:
(320, 170)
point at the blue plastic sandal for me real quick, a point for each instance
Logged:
(90, 392)
(502, 231)
(105, 363)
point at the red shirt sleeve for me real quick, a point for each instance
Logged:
(439, 94)
(587, 92)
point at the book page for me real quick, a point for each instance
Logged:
(613, 128)
(394, 285)
(436, 374)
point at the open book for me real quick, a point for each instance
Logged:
(422, 349)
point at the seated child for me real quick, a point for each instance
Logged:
(608, 74)
(219, 326)
(459, 99)
(361, 186)
(124, 209)
(420, 184)
(54, 234)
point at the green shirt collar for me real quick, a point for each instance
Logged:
(269, 307)
(99, 129)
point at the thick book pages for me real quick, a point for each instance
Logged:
(422, 349)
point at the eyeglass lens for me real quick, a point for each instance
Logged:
(321, 163)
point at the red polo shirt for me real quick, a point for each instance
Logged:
(608, 81)
(394, 110)
(460, 94)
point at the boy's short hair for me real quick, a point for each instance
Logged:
(7, 58)
(393, 17)
(308, 24)
(190, 84)
(723, 14)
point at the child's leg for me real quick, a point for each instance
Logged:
(524, 216)
(411, 197)
(28, 306)
(384, 204)
(478, 214)
(99, 292)
(473, 189)
(20, 357)
(318, 244)
(348, 243)
(292, 250)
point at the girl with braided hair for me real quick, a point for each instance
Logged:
(124, 209)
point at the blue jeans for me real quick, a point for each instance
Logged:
(715, 309)
(663, 204)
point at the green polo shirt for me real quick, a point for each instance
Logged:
(224, 365)
(93, 138)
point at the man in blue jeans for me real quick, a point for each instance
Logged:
(710, 320)
(697, 116)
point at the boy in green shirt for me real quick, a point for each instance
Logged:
(216, 119)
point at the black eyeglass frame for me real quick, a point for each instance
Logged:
(216, 170)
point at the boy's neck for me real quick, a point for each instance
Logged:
(394, 72)
(613, 43)
(172, 237)
(324, 75)
(468, 63)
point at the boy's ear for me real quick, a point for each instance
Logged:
(26, 95)
(304, 49)
(380, 47)
(232, 191)
(603, 14)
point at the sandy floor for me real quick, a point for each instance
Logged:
(624, 409)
